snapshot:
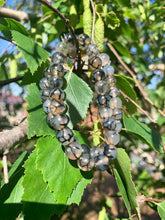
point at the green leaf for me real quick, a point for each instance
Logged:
(148, 135)
(36, 116)
(4, 72)
(124, 85)
(124, 3)
(111, 20)
(13, 66)
(49, 28)
(38, 200)
(32, 52)
(96, 139)
(161, 210)
(78, 98)
(123, 167)
(122, 50)
(58, 171)
(2, 2)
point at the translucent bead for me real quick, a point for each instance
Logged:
(49, 119)
(46, 106)
(92, 50)
(43, 84)
(58, 58)
(111, 81)
(76, 148)
(85, 149)
(71, 50)
(57, 94)
(57, 70)
(115, 103)
(65, 136)
(84, 41)
(114, 91)
(105, 59)
(44, 94)
(101, 87)
(59, 122)
(101, 162)
(96, 151)
(98, 75)
(61, 47)
(110, 151)
(47, 72)
(109, 71)
(103, 99)
(68, 38)
(95, 63)
(105, 112)
(69, 153)
(117, 114)
(85, 162)
(111, 124)
(55, 82)
(112, 137)
(57, 107)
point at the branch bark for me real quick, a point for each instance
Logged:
(7, 81)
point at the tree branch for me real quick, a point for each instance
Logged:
(7, 81)
(11, 41)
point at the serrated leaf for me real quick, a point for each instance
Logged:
(38, 200)
(62, 177)
(99, 33)
(36, 116)
(124, 85)
(111, 20)
(123, 166)
(13, 66)
(49, 28)
(79, 95)
(150, 136)
(122, 50)
(32, 52)
(161, 210)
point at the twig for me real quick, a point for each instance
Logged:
(144, 112)
(11, 41)
(7, 81)
(5, 169)
(94, 133)
(44, 19)
(135, 79)
(93, 24)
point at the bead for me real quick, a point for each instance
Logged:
(105, 112)
(44, 94)
(105, 59)
(111, 81)
(43, 84)
(76, 148)
(69, 153)
(58, 58)
(98, 75)
(110, 151)
(101, 162)
(95, 63)
(84, 41)
(55, 82)
(92, 50)
(85, 162)
(61, 47)
(111, 124)
(46, 106)
(57, 70)
(112, 137)
(49, 119)
(117, 114)
(114, 91)
(47, 72)
(103, 99)
(57, 94)
(65, 136)
(71, 50)
(85, 149)
(68, 38)
(101, 87)
(96, 151)
(57, 107)
(115, 103)
(109, 71)
(58, 122)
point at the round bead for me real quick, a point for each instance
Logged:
(115, 103)
(43, 84)
(95, 63)
(109, 71)
(57, 94)
(47, 72)
(68, 38)
(84, 41)
(98, 75)
(76, 148)
(101, 87)
(49, 119)
(44, 94)
(96, 151)
(58, 122)
(58, 58)
(111, 124)
(69, 153)
(46, 106)
(92, 50)
(61, 47)
(114, 91)
(65, 136)
(111, 81)
(101, 162)
(57, 107)
(85, 162)
(103, 99)
(112, 137)
(105, 59)
(105, 112)
(117, 114)
(55, 82)
(85, 149)
(110, 151)
(57, 70)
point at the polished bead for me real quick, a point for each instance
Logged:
(105, 59)
(68, 38)
(59, 121)
(95, 63)
(101, 162)
(76, 148)
(114, 91)
(96, 151)
(57, 107)
(57, 94)
(92, 50)
(69, 153)
(115, 103)
(49, 119)
(71, 50)
(44, 94)
(98, 75)
(85, 162)
(61, 47)
(47, 72)
(65, 136)
(112, 125)
(46, 106)
(112, 137)
(105, 112)
(109, 71)
(103, 99)
(110, 151)
(85, 149)
(117, 114)
(55, 82)
(57, 70)
(101, 87)
(84, 41)
(43, 84)
(58, 58)
(111, 81)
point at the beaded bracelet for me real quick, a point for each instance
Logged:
(106, 98)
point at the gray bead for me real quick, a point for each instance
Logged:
(59, 121)
(49, 119)
(76, 148)
(117, 114)
(103, 99)
(95, 63)
(110, 151)
(47, 72)
(85, 149)
(111, 81)
(69, 153)
(57, 70)
(109, 71)
(114, 91)
(84, 41)
(92, 50)
(55, 82)
(65, 136)
(58, 58)
(96, 151)
(105, 112)
(101, 87)
(57, 94)
(98, 75)
(46, 106)
(112, 125)
(44, 84)
(105, 59)
(101, 162)
(57, 107)
(85, 162)
(112, 137)
(44, 94)
(115, 103)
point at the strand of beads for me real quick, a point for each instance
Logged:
(53, 98)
